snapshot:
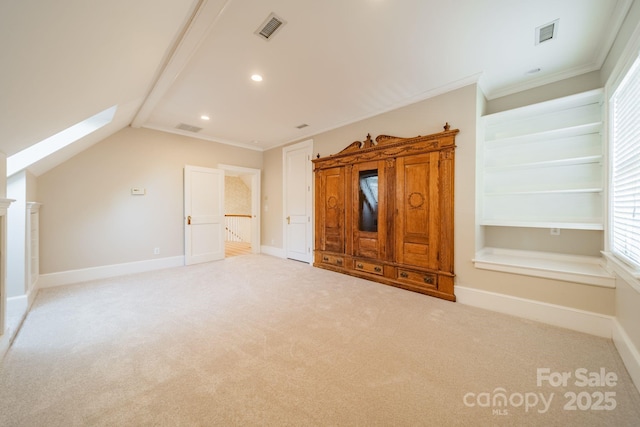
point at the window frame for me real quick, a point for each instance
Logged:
(626, 253)
(620, 266)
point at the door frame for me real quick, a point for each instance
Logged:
(308, 145)
(255, 200)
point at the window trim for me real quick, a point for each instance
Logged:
(623, 270)
(627, 58)
(632, 261)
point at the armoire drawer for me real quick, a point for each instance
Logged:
(333, 260)
(418, 277)
(369, 267)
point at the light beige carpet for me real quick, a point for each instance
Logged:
(257, 340)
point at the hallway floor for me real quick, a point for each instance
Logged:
(236, 248)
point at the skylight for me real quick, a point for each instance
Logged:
(46, 147)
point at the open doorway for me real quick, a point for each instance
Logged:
(242, 210)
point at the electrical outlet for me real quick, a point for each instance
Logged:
(156, 251)
(555, 232)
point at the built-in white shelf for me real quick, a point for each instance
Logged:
(562, 191)
(571, 268)
(551, 134)
(597, 159)
(570, 225)
(543, 164)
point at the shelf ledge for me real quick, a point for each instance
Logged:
(571, 161)
(569, 268)
(595, 190)
(558, 133)
(564, 225)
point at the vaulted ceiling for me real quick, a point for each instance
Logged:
(166, 63)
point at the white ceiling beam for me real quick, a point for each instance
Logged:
(202, 21)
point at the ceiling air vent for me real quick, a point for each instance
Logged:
(547, 32)
(302, 126)
(188, 128)
(269, 27)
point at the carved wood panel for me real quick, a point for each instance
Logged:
(417, 202)
(332, 193)
(384, 211)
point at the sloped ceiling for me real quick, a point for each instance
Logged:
(167, 62)
(66, 60)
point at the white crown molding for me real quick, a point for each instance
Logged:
(541, 81)
(419, 97)
(627, 58)
(202, 137)
(618, 16)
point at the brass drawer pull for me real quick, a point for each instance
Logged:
(326, 258)
(378, 269)
(358, 265)
(339, 262)
(428, 279)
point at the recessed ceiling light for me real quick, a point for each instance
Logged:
(205, 117)
(256, 78)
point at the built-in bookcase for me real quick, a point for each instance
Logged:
(543, 167)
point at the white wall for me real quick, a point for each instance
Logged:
(459, 108)
(571, 86)
(89, 217)
(272, 202)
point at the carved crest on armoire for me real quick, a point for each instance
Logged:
(384, 211)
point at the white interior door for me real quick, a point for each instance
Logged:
(203, 214)
(297, 200)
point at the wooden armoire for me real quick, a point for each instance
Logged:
(384, 211)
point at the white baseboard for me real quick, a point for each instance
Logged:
(5, 340)
(75, 276)
(17, 309)
(578, 320)
(17, 306)
(273, 251)
(628, 352)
